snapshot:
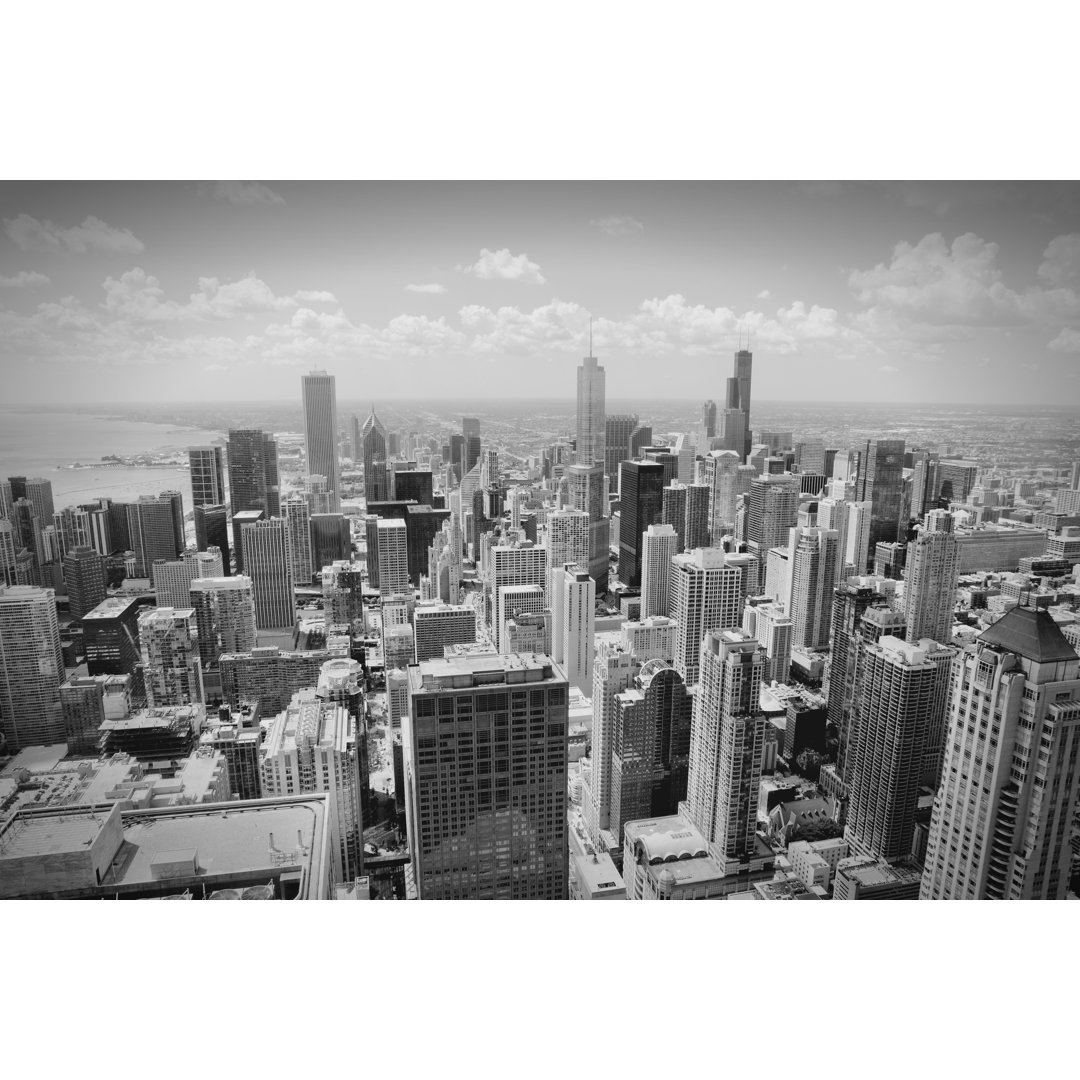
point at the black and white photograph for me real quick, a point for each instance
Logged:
(692, 513)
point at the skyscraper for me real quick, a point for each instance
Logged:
(587, 492)
(31, 668)
(708, 590)
(673, 512)
(376, 483)
(726, 748)
(721, 475)
(933, 571)
(744, 363)
(891, 712)
(393, 557)
(568, 538)
(1010, 781)
(772, 510)
(152, 530)
(321, 429)
(522, 563)
(169, 641)
(437, 625)
(880, 482)
(590, 412)
(813, 555)
(84, 575)
(573, 603)
(267, 564)
(708, 419)
(224, 616)
(485, 762)
(253, 472)
(331, 540)
(659, 545)
(618, 430)
(770, 625)
(298, 539)
(641, 484)
(470, 434)
(207, 475)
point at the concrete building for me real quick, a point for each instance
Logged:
(720, 473)
(207, 471)
(486, 791)
(298, 548)
(224, 616)
(708, 589)
(772, 508)
(814, 554)
(438, 625)
(84, 576)
(393, 556)
(268, 675)
(573, 604)
(169, 641)
(770, 625)
(266, 563)
(1003, 814)
(651, 639)
(659, 545)
(86, 702)
(31, 668)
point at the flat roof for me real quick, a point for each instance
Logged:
(51, 834)
(112, 606)
(598, 872)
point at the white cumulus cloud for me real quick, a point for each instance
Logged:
(502, 266)
(92, 235)
(432, 287)
(1067, 341)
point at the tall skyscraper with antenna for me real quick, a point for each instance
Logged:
(744, 363)
(591, 382)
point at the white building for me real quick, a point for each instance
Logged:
(393, 557)
(573, 605)
(659, 547)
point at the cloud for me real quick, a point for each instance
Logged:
(242, 192)
(502, 266)
(92, 235)
(888, 368)
(1067, 341)
(137, 296)
(764, 294)
(618, 225)
(934, 283)
(434, 288)
(24, 279)
(315, 296)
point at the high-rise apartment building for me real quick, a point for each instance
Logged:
(298, 539)
(266, 564)
(573, 603)
(84, 575)
(567, 538)
(522, 563)
(892, 710)
(721, 475)
(31, 668)
(311, 746)
(930, 581)
(590, 413)
(673, 512)
(268, 675)
(319, 394)
(155, 530)
(659, 545)
(224, 616)
(253, 472)
(485, 762)
(8, 552)
(207, 475)
(813, 555)
(771, 626)
(726, 748)
(169, 641)
(111, 636)
(772, 510)
(641, 484)
(881, 483)
(708, 590)
(1010, 780)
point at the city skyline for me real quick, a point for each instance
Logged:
(852, 291)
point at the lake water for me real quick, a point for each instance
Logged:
(38, 443)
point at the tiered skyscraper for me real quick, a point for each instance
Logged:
(321, 429)
(744, 364)
(376, 482)
(1010, 780)
(933, 571)
(590, 412)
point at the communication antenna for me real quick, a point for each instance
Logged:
(590, 335)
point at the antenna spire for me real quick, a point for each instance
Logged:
(590, 335)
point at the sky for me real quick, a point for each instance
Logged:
(127, 292)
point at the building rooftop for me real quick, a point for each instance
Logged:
(598, 873)
(1031, 633)
(111, 607)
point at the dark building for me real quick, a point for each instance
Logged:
(669, 460)
(155, 530)
(212, 530)
(253, 472)
(640, 437)
(111, 636)
(390, 508)
(119, 534)
(84, 575)
(244, 517)
(617, 432)
(641, 498)
(470, 430)
(421, 525)
(457, 455)
(414, 485)
(330, 539)
(805, 728)
(673, 513)
(880, 482)
(744, 365)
